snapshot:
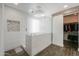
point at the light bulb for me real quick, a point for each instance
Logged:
(65, 6)
(15, 3)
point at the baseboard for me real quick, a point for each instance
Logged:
(78, 49)
(58, 45)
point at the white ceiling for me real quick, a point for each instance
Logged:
(48, 8)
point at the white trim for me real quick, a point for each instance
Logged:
(78, 49)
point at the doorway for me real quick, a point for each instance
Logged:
(70, 34)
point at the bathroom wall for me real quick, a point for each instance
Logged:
(58, 30)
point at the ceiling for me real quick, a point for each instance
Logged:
(48, 8)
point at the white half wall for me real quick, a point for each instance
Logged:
(58, 30)
(40, 42)
(29, 44)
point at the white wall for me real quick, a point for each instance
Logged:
(14, 39)
(42, 37)
(44, 25)
(58, 30)
(1, 31)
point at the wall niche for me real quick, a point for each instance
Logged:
(13, 26)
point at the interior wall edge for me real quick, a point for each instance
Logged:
(51, 30)
(41, 50)
(78, 32)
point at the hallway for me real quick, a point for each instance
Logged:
(27, 29)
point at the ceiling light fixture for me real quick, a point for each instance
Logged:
(65, 6)
(15, 3)
(37, 11)
(39, 15)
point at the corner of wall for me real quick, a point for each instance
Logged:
(78, 49)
